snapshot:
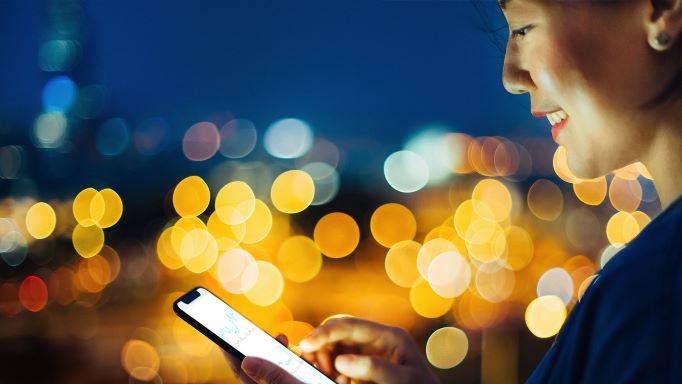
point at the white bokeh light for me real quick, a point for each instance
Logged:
(288, 138)
(406, 171)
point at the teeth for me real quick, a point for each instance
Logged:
(556, 117)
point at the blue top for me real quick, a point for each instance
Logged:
(627, 328)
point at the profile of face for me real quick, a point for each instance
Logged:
(593, 60)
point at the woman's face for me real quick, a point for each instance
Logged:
(592, 61)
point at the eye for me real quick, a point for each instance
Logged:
(521, 31)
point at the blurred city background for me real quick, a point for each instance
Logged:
(303, 160)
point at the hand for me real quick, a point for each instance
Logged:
(367, 351)
(256, 370)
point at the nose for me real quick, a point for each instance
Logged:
(515, 78)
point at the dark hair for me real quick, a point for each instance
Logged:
(673, 89)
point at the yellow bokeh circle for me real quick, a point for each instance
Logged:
(198, 250)
(468, 212)
(392, 223)
(591, 191)
(140, 359)
(40, 220)
(181, 228)
(495, 196)
(430, 250)
(258, 226)
(106, 208)
(292, 191)
(81, 207)
(426, 302)
(622, 227)
(234, 272)
(87, 241)
(235, 203)
(447, 347)
(401, 263)
(545, 315)
(227, 236)
(299, 259)
(336, 234)
(191, 196)
(269, 285)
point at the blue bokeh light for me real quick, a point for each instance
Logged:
(59, 94)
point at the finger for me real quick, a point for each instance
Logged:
(370, 368)
(235, 366)
(343, 379)
(355, 330)
(265, 372)
(283, 339)
(324, 358)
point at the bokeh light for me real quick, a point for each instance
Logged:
(113, 137)
(191, 196)
(81, 207)
(201, 141)
(140, 359)
(292, 191)
(449, 274)
(545, 315)
(545, 200)
(198, 250)
(430, 250)
(557, 282)
(235, 203)
(326, 181)
(238, 138)
(299, 259)
(337, 234)
(259, 224)
(288, 138)
(401, 263)
(106, 208)
(431, 146)
(40, 220)
(50, 130)
(33, 293)
(406, 171)
(447, 347)
(87, 241)
(625, 194)
(269, 284)
(426, 302)
(621, 228)
(232, 271)
(59, 94)
(592, 191)
(392, 223)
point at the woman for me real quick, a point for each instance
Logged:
(607, 76)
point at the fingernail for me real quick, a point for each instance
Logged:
(306, 346)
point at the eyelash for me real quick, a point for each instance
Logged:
(521, 31)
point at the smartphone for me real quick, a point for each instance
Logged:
(237, 335)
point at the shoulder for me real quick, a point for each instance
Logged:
(632, 309)
(628, 325)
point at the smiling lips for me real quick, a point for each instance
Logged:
(557, 118)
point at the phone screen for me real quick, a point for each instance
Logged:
(218, 318)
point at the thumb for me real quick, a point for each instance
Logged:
(265, 372)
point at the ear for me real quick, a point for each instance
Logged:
(664, 16)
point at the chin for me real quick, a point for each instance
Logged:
(587, 170)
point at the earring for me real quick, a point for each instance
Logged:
(662, 39)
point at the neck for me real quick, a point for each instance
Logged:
(664, 157)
